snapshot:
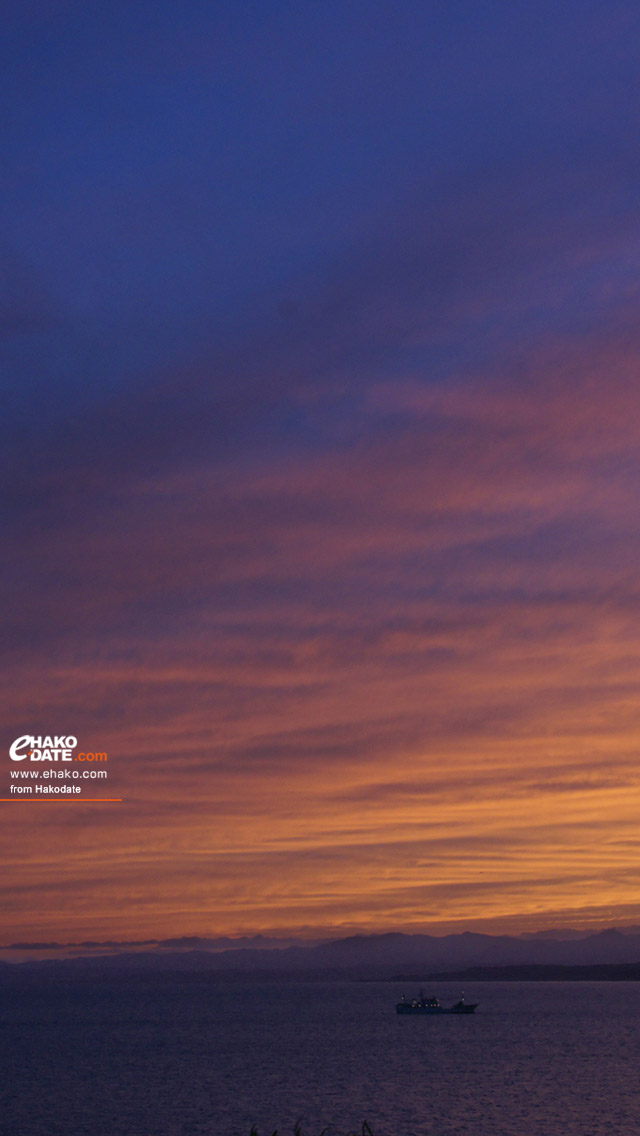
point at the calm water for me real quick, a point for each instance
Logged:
(197, 1059)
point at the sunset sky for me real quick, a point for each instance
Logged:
(320, 328)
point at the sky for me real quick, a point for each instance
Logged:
(319, 336)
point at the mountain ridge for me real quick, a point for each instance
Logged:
(383, 955)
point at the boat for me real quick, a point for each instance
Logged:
(431, 1005)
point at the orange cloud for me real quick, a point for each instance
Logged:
(390, 686)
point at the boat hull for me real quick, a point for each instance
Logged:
(435, 1010)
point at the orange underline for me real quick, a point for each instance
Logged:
(82, 799)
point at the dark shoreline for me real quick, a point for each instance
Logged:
(74, 973)
(602, 972)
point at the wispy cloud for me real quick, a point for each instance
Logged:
(321, 508)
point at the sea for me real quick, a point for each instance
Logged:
(188, 1056)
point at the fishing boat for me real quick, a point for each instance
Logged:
(431, 1005)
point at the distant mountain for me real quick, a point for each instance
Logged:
(381, 956)
(563, 933)
(470, 949)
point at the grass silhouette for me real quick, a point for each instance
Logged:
(330, 1128)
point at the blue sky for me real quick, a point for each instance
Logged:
(319, 342)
